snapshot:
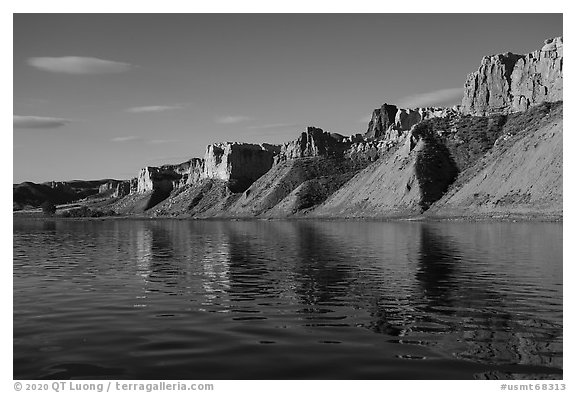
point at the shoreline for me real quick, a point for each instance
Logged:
(500, 217)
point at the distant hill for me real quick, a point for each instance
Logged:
(29, 194)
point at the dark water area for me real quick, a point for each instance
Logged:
(169, 299)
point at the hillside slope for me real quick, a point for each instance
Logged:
(521, 175)
(468, 166)
(402, 183)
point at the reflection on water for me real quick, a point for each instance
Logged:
(274, 299)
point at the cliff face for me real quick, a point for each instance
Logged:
(158, 178)
(508, 83)
(390, 122)
(115, 188)
(238, 163)
(499, 153)
(314, 143)
(382, 119)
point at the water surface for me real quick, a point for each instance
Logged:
(170, 299)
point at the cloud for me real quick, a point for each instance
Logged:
(443, 96)
(232, 119)
(155, 108)
(78, 65)
(126, 138)
(39, 122)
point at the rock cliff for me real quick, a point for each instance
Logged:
(238, 163)
(508, 82)
(390, 122)
(315, 142)
(115, 188)
(499, 153)
(382, 119)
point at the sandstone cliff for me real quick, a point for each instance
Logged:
(390, 123)
(499, 153)
(315, 142)
(115, 188)
(508, 83)
(238, 163)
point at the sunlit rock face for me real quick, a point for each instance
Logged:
(194, 172)
(116, 188)
(237, 163)
(382, 119)
(168, 177)
(390, 123)
(157, 178)
(314, 142)
(508, 83)
(232, 161)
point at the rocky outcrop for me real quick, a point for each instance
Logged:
(157, 178)
(193, 173)
(238, 163)
(315, 142)
(382, 119)
(390, 122)
(508, 83)
(168, 177)
(134, 185)
(115, 188)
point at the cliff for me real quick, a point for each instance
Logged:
(115, 188)
(390, 122)
(508, 83)
(314, 142)
(498, 154)
(240, 164)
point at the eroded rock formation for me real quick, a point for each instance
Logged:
(508, 83)
(116, 188)
(390, 122)
(238, 163)
(314, 142)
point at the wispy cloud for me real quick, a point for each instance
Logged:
(232, 119)
(78, 65)
(443, 96)
(153, 108)
(129, 138)
(39, 122)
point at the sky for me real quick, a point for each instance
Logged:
(101, 95)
